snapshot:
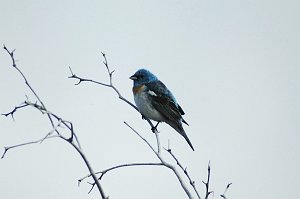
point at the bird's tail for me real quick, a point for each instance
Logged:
(178, 127)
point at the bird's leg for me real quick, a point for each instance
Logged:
(155, 127)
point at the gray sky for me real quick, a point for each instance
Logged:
(232, 65)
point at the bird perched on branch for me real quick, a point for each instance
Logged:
(156, 102)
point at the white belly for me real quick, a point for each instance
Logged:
(142, 102)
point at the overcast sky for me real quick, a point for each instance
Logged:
(232, 65)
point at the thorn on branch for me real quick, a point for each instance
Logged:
(192, 183)
(185, 171)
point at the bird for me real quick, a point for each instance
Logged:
(156, 102)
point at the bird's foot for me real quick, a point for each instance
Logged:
(153, 129)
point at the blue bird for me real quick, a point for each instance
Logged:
(156, 102)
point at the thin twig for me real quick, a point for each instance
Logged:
(14, 110)
(24, 144)
(103, 172)
(207, 192)
(192, 182)
(227, 187)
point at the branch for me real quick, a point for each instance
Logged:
(67, 124)
(110, 85)
(123, 166)
(14, 110)
(26, 143)
(192, 183)
(11, 54)
(207, 192)
(163, 162)
(103, 172)
(154, 130)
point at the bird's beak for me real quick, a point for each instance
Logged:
(132, 77)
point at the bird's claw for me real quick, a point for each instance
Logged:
(154, 128)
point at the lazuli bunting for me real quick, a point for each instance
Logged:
(156, 102)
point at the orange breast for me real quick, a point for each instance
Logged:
(138, 89)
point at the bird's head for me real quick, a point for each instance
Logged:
(142, 76)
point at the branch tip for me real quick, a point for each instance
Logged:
(71, 71)
(229, 185)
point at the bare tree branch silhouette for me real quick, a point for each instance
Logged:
(58, 123)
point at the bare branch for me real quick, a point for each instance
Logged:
(126, 165)
(11, 54)
(67, 124)
(14, 110)
(153, 129)
(207, 192)
(164, 163)
(103, 172)
(73, 76)
(24, 144)
(146, 141)
(192, 183)
(110, 85)
(39, 105)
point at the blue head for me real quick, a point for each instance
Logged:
(142, 76)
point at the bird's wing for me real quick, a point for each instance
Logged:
(163, 101)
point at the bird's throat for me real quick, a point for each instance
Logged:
(138, 89)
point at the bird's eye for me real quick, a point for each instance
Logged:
(140, 76)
